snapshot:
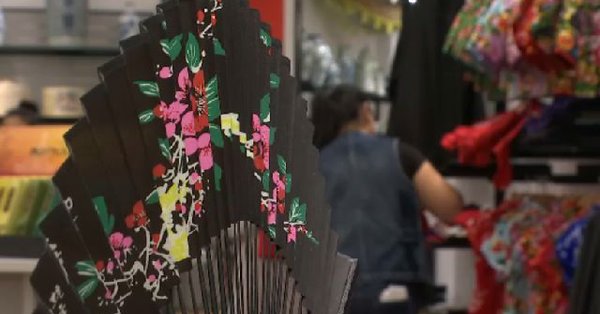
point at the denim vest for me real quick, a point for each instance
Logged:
(375, 209)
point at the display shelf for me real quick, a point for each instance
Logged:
(308, 87)
(59, 51)
(550, 168)
(12, 247)
(48, 120)
(53, 121)
(454, 243)
(11, 265)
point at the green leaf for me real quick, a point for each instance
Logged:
(266, 37)
(148, 88)
(273, 130)
(107, 220)
(216, 136)
(282, 164)
(272, 232)
(164, 146)
(192, 53)
(297, 212)
(219, 50)
(172, 47)
(302, 213)
(87, 288)
(243, 149)
(218, 171)
(146, 116)
(312, 238)
(86, 268)
(288, 183)
(265, 110)
(274, 80)
(152, 198)
(212, 96)
(266, 180)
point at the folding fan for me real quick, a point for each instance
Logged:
(195, 153)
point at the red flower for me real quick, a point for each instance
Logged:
(201, 122)
(259, 160)
(198, 186)
(138, 218)
(100, 266)
(160, 109)
(158, 170)
(200, 16)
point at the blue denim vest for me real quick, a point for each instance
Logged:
(375, 209)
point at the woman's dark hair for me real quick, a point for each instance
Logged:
(332, 109)
(28, 111)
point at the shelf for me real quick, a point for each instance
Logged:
(454, 243)
(12, 247)
(52, 121)
(550, 168)
(59, 51)
(308, 87)
(17, 265)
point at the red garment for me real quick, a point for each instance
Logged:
(477, 144)
(488, 289)
(544, 59)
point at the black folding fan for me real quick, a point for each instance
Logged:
(192, 182)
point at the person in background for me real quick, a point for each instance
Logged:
(377, 187)
(24, 114)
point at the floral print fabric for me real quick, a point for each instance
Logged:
(525, 250)
(530, 48)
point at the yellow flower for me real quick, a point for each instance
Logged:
(178, 247)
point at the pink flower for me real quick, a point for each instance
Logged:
(203, 147)
(151, 278)
(195, 177)
(185, 84)
(165, 72)
(175, 110)
(119, 243)
(170, 112)
(272, 217)
(292, 234)
(108, 294)
(261, 137)
(277, 180)
(116, 239)
(170, 129)
(110, 266)
(187, 124)
(206, 158)
(157, 265)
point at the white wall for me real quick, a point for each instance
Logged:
(338, 28)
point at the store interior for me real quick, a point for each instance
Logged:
(501, 97)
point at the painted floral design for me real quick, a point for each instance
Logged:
(121, 245)
(56, 302)
(195, 127)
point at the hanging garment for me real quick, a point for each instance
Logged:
(489, 287)
(427, 88)
(478, 144)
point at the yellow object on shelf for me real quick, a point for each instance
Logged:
(22, 200)
(384, 17)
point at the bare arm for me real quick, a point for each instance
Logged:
(436, 194)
